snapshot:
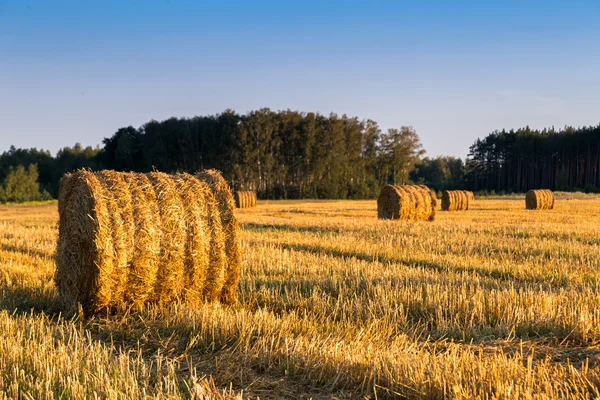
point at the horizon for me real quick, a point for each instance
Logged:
(79, 72)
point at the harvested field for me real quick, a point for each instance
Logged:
(499, 302)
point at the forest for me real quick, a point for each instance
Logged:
(292, 154)
(519, 160)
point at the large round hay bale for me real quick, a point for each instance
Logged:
(224, 197)
(245, 199)
(455, 200)
(470, 195)
(129, 239)
(540, 199)
(407, 202)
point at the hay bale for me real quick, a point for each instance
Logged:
(407, 202)
(455, 200)
(224, 197)
(128, 239)
(470, 195)
(540, 199)
(245, 199)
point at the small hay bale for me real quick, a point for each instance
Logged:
(407, 202)
(470, 195)
(540, 199)
(455, 200)
(245, 199)
(129, 239)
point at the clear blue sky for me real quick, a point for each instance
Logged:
(76, 71)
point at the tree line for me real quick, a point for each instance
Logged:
(284, 154)
(523, 159)
(292, 154)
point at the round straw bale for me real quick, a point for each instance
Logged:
(540, 199)
(245, 199)
(407, 202)
(455, 200)
(128, 239)
(224, 197)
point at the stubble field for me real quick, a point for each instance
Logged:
(496, 302)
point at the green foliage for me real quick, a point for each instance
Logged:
(279, 154)
(440, 173)
(51, 169)
(21, 185)
(400, 150)
(283, 154)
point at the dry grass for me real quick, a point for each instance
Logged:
(496, 303)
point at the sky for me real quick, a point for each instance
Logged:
(77, 71)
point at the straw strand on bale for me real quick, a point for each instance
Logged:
(169, 278)
(407, 202)
(197, 244)
(128, 239)
(540, 199)
(224, 197)
(119, 198)
(147, 238)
